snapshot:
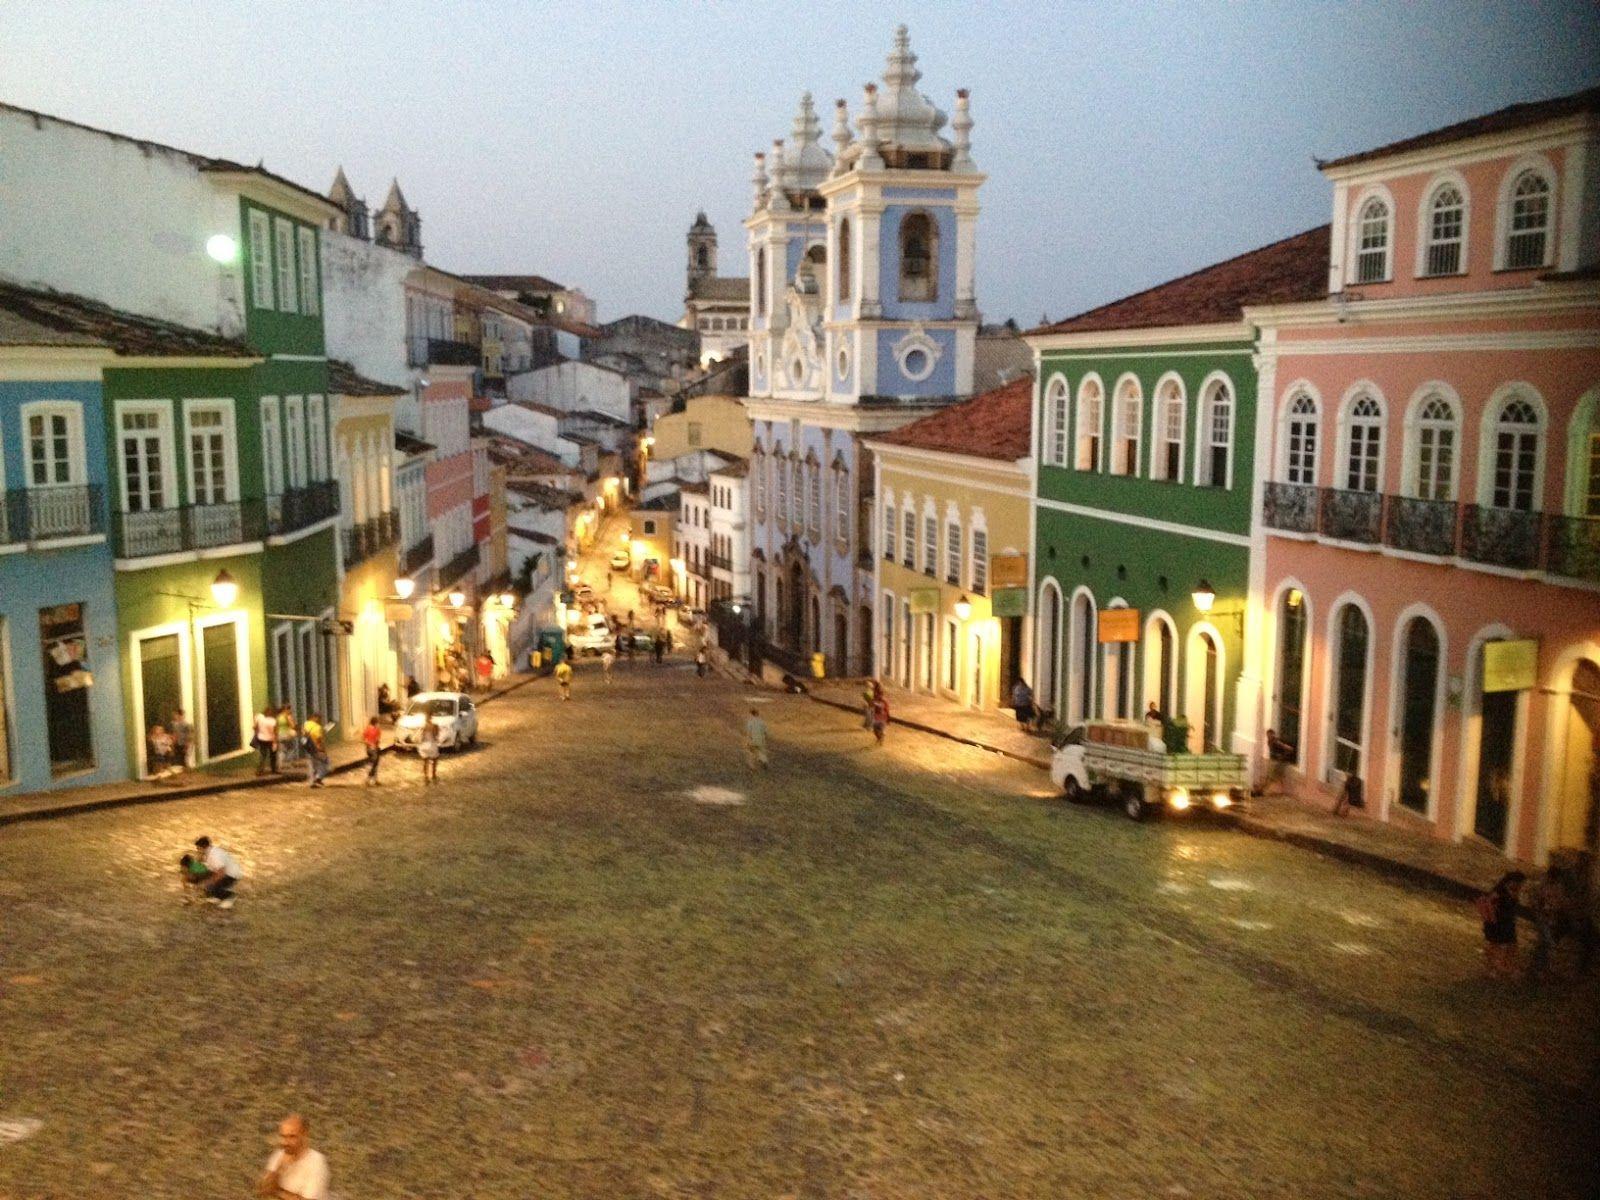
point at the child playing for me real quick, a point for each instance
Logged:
(564, 679)
(193, 872)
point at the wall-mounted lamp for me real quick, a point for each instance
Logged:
(1204, 596)
(222, 248)
(457, 599)
(963, 609)
(403, 587)
(224, 590)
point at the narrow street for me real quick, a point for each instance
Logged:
(605, 959)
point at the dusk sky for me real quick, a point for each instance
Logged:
(1124, 144)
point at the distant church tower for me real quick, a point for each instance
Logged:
(399, 226)
(702, 250)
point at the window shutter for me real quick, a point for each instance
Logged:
(309, 291)
(260, 259)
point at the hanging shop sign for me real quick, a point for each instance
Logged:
(1510, 666)
(924, 600)
(1119, 625)
(1009, 602)
(1008, 570)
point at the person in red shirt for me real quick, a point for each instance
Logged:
(371, 736)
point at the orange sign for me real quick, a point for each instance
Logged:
(1008, 570)
(1119, 625)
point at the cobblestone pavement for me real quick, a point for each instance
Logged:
(604, 959)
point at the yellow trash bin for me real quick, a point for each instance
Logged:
(818, 667)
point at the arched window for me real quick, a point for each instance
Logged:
(760, 281)
(1433, 453)
(1288, 708)
(930, 542)
(1419, 693)
(1349, 709)
(1372, 245)
(780, 474)
(1300, 448)
(918, 258)
(1528, 230)
(702, 257)
(1126, 421)
(1055, 423)
(1091, 405)
(954, 547)
(1215, 466)
(1447, 215)
(1166, 461)
(758, 480)
(908, 542)
(891, 522)
(1049, 663)
(1517, 449)
(1160, 663)
(844, 259)
(1080, 704)
(1363, 446)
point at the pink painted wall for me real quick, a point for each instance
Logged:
(449, 483)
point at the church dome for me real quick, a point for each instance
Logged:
(804, 159)
(907, 121)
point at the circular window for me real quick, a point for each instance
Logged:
(916, 364)
(844, 363)
(797, 371)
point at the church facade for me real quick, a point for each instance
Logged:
(717, 307)
(863, 317)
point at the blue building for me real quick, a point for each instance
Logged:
(863, 317)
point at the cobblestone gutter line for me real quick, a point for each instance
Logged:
(158, 795)
(1033, 761)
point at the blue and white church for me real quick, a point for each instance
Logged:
(863, 317)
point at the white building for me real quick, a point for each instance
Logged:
(692, 544)
(576, 387)
(730, 532)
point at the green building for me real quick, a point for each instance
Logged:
(223, 500)
(1145, 435)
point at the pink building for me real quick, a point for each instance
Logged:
(1428, 553)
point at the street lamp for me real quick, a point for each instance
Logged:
(457, 599)
(963, 609)
(222, 248)
(1204, 596)
(403, 587)
(508, 599)
(224, 589)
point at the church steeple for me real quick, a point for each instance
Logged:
(354, 218)
(399, 225)
(702, 250)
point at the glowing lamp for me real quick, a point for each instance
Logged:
(1204, 596)
(457, 599)
(963, 609)
(404, 587)
(222, 248)
(224, 589)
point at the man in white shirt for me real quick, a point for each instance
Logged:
(294, 1170)
(225, 872)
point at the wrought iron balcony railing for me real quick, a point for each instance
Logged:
(362, 541)
(719, 562)
(1421, 526)
(458, 566)
(1572, 547)
(1352, 516)
(189, 527)
(300, 507)
(42, 514)
(1501, 537)
(417, 556)
(1291, 507)
(426, 351)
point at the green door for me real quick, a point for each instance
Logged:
(160, 682)
(224, 727)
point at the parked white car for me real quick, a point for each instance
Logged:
(591, 635)
(453, 714)
(621, 561)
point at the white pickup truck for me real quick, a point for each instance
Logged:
(1131, 763)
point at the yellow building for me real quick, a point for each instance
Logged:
(650, 539)
(369, 528)
(717, 423)
(952, 534)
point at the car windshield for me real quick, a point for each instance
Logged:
(438, 707)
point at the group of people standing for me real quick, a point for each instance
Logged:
(278, 742)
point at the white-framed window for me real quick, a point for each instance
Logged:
(1214, 467)
(1517, 455)
(758, 482)
(1445, 235)
(1091, 412)
(53, 444)
(1432, 461)
(814, 468)
(891, 521)
(317, 431)
(841, 502)
(261, 258)
(271, 446)
(797, 492)
(1055, 423)
(908, 543)
(294, 438)
(310, 291)
(1126, 421)
(980, 556)
(1169, 419)
(283, 247)
(930, 543)
(209, 446)
(780, 474)
(1528, 223)
(1363, 445)
(1301, 440)
(952, 550)
(144, 436)
(1372, 241)
(952, 652)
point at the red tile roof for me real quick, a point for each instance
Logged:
(995, 424)
(40, 317)
(1294, 269)
(1516, 116)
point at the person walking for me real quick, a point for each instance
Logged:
(223, 872)
(607, 660)
(869, 697)
(564, 679)
(485, 666)
(700, 662)
(288, 749)
(755, 740)
(372, 737)
(316, 749)
(1498, 909)
(880, 716)
(428, 751)
(265, 739)
(1022, 703)
(659, 647)
(182, 735)
(294, 1170)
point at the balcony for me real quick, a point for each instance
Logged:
(427, 351)
(41, 514)
(417, 557)
(301, 507)
(1553, 543)
(719, 562)
(1352, 516)
(458, 566)
(362, 541)
(191, 527)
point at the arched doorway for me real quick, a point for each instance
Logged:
(1048, 676)
(1080, 705)
(864, 641)
(1497, 736)
(1348, 713)
(1577, 799)
(1288, 707)
(816, 625)
(794, 615)
(841, 638)
(1419, 713)
(1203, 693)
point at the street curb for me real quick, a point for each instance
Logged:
(202, 790)
(1042, 763)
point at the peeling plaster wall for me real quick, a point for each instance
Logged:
(364, 305)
